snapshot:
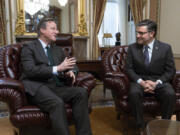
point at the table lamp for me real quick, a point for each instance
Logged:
(106, 38)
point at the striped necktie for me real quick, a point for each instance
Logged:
(146, 55)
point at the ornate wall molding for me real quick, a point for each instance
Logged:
(20, 24)
(82, 27)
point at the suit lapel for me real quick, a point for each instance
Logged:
(155, 52)
(41, 51)
(140, 52)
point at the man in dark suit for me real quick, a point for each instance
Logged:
(43, 65)
(150, 68)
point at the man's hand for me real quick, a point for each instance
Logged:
(152, 84)
(67, 64)
(71, 74)
(148, 85)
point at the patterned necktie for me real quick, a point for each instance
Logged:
(146, 55)
(51, 60)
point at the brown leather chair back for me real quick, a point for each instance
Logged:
(10, 61)
(114, 59)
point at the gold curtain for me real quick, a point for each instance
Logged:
(99, 7)
(2, 23)
(137, 9)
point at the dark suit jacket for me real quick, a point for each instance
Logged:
(35, 66)
(161, 66)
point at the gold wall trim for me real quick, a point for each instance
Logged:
(82, 27)
(20, 22)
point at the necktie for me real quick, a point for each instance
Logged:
(49, 55)
(51, 60)
(146, 55)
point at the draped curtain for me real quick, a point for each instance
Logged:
(2, 23)
(137, 9)
(99, 7)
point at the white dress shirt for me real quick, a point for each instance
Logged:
(44, 45)
(150, 50)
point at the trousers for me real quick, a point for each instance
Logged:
(165, 95)
(53, 101)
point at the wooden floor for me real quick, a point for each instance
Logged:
(5, 126)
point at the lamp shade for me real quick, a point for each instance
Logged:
(107, 35)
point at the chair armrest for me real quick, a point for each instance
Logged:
(117, 82)
(12, 93)
(11, 83)
(176, 82)
(85, 80)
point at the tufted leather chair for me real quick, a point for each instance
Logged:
(28, 119)
(113, 62)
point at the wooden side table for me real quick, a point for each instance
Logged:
(91, 66)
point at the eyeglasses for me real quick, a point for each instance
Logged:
(141, 33)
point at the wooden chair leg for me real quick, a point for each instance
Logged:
(118, 116)
(178, 116)
(104, 90)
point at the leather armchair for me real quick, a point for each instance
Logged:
(113, 62)
(28, 119)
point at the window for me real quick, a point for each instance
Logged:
(116, 20)
(109, 23)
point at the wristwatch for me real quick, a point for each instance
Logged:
(159, 85)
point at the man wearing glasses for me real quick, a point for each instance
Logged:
(150, 68)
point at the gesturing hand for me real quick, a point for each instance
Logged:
(68, 63)
(71, 75)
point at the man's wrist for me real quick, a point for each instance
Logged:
(159, 81)
(159, 84)
(55, 72)
(139, 81)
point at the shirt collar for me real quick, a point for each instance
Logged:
(44, 45)
(151, 44)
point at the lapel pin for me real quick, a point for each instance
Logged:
(156, 48)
